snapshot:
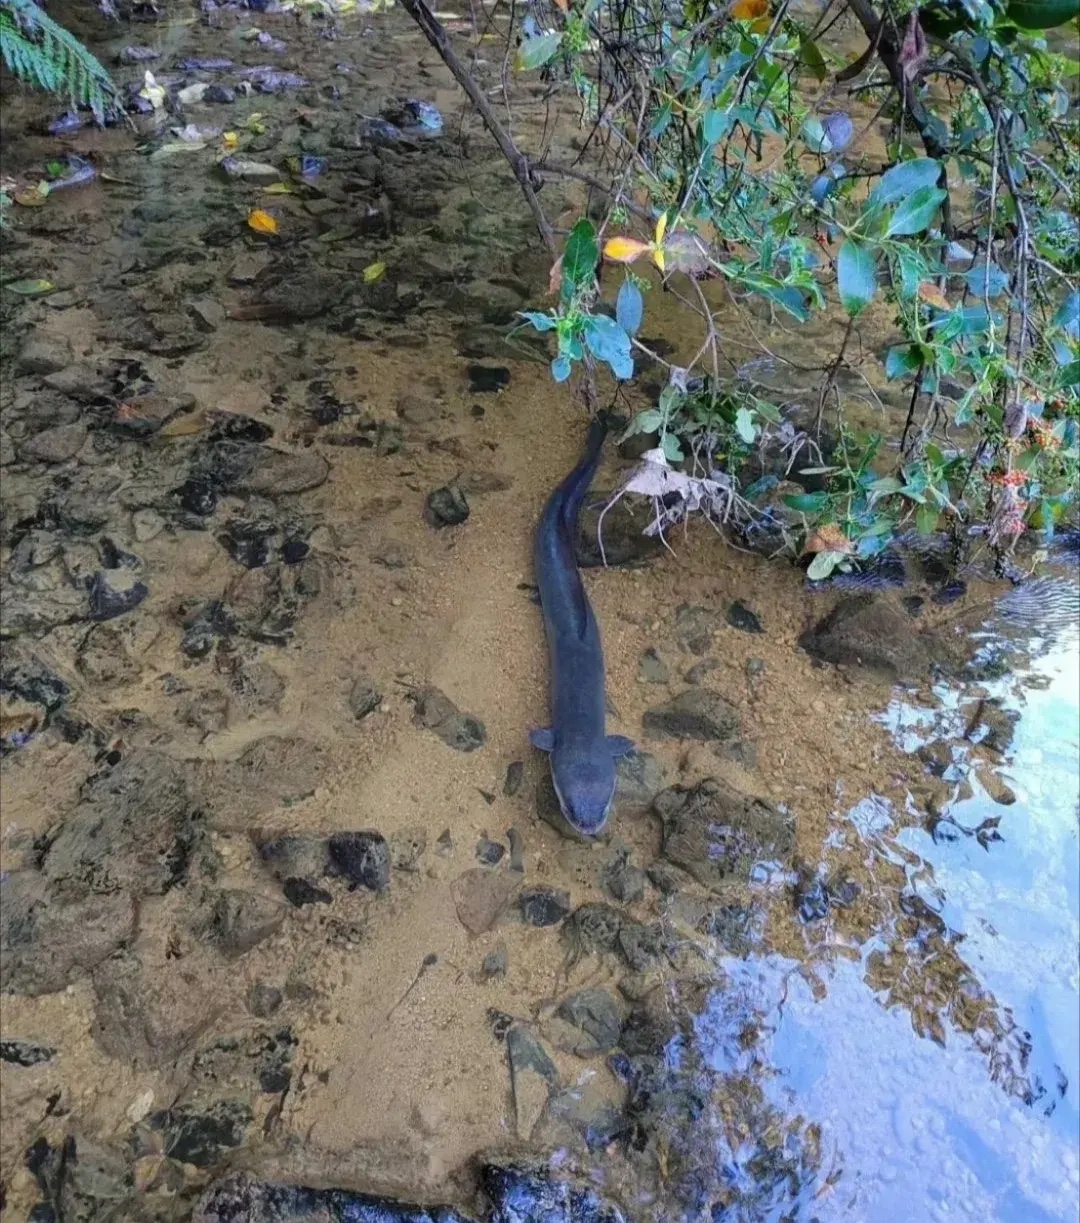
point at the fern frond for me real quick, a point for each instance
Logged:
(41, 52)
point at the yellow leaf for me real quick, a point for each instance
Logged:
(661, 229)
(933, 296)
(278, 189)
(761, 26)
(33, 197)
(563, 5)
(374, 272)
(658, 257)
(828, 538)
(230, 140)
(624, 250)
(749, 10)
(262, 222)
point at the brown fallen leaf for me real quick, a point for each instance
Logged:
(555, 279)
(933, 296)
(828, 538)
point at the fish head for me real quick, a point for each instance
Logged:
(585, 786)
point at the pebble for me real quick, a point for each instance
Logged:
(55, 445)
(446, 507)
(140, 1107)
(544, 906)
(146, 525)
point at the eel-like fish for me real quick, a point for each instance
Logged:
(582, 752)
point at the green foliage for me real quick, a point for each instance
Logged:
(41, 52)
(708, 115)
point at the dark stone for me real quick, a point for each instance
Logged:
(488, 378)
(210, 623)
(593, 929)
(811, 898)
(82, 1180)
(203, 1136)
(436, 712)
(734, 927)
(264, 1000)
(715, 833)
(297, 855)
(361, 857)
(621, 880)
(495, 963)
(625, 544)
(241, 920)
(697, 713)
(694, 628)
(596, 1020)
(872, 632)
(639, 777)
(299, 892)
(25, 1052)
(199, 496)
(364, 697)
(913, 605)
(515, 775)
(525, 1193)
(446, 507)
(544, 906)
(741, 617)
(490, 853)
(247, 544)
(114, 592)
(652, 668)
(950, 592)
(843, 893)
(31, 680)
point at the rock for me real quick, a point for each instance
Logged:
(495, 963)
(446, 507)
(652, 669)
(363, 858)
(147, 524)
(115, 592)
(715, 833)
(149, 1013)
(811, 898)
(543, 906)
(436, 712)
(135, 831)
(80, 382)
(203, 1136)
(276, 473)
(701, 671)
(694, 628)
(479, 483)
(591, 1021)
(873, 632)
(622, 880)
(391, 555)
(515, 775)
(144, 415)
(24, 1052)
(992, 726)
(42, 353)
(407, 848)
(532, 1075)
(241, 920)
(489, 853)
(625, 545)
(697, 713)
(527, 1193)
(741, 617)
(241, 1199)
(480, 896)
(55, 445)
(488, 379)
(81, 1180)
(364, 697)
(416, 410)
(639, 777)
(103, 658)
(300, 892)
(264, 1000)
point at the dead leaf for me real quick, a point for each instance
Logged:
(374, 272)
(30, 288)
(32, 197)
(828, 538)
(749, 10)
(563, 5)
(685, 252)
(625, 250)
(914, 51)
(933, 296)
(183, 426)
(262, 222)
(555, 278)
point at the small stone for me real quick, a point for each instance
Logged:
(278, 473)
(477, 483)
(361, 857)
(811, 899)
(697, 713)
(79, 381)
(147, 524)
(515, 775)
(364, 697)
(490, 853)
(144, 415)
(623, 881)
(639, 777)
(741, 617)
(415, 410)
(240, 920)
(295, 854)
(202, 1135)
(532, 1075)
(299, 892)
(701, 671)
(488, 379)
(652, 669)
(42, 353)
(25, 1053)
(140, 1107)
(480, 896)
(207, 313)
(595, 1019)
(543, 906)
(694, 628)
(496, 963)
(446, 507)
(263, 1000)
(115, 592)
(55, 445)
(436, 712)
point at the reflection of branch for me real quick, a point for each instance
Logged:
(434, 32)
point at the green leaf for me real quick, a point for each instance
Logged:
(884, 485)
(856, 276)
(580, 257)
(823, 564)
(912, 268)
(629, 307)
(926, 519)
(906, 178)
(560, 368)
(987, 281)
(811, 57)
(716, 124)
(542, 322)
(608, 342)
(672, 450)
(645, 422)
(536, 52)
(806, 503)
(1068, 317)
(916, 212)
(1069, 377)
(30, 288)
(901, 360)
(744, 425)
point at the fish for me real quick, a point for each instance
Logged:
(582, 753)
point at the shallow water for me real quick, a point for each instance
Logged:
(910, 1052)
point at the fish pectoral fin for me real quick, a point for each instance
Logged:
(620, 745)
(543, 739)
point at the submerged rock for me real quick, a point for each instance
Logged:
(437, 712)
(532, 1193)
(697, 713)
(715, 833)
